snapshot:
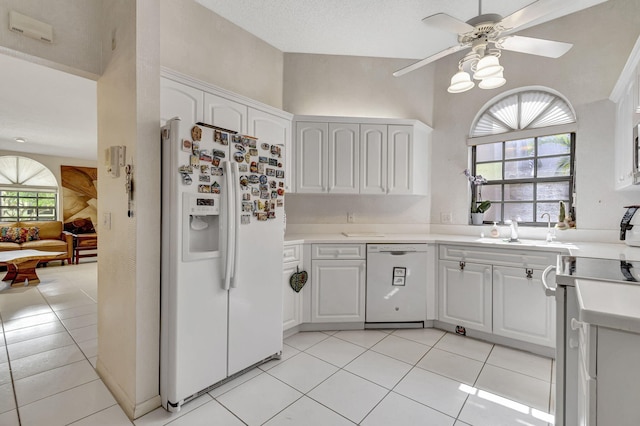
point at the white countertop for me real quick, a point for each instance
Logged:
(587, 249)
(609, 304)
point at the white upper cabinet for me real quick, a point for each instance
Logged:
(225, 113)
(312, 152)
(272, 129)
(344, 155)
(178, 97)
(373, 159)
(344, 159)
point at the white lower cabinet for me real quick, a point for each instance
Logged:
(291, 301)
(497, 291)
(465, 294)
(608, 377)
(338, 283)
(520, 308)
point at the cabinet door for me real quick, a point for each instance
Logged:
(178, 100)
(344, 158)
(373, 159)
(311, 157)
(291, 301)
(338, 290)
(465, 294)
(521, 310)
(225, 113)
(272, 129)
(400, 160)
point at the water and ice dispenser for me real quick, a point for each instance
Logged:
(201, 226)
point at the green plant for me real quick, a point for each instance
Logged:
(480, 207)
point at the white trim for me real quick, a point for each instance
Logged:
(523, 134)
(219, 91)
(362, 120)
(620, 88)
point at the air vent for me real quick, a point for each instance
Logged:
(30, 27)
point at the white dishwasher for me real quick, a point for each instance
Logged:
(396, 283)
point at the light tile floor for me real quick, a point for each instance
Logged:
(404, 377)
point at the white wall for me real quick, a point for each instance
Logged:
(129, 266)
(199, 43)
(76, 32)
(603, 37)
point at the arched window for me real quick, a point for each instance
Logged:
(523, 143)
(28, 190)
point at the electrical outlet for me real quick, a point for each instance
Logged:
(446, 217)
(349, 217)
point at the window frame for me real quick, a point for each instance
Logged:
(533, 180)
(18, 189)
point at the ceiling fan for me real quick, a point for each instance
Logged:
(487, 35)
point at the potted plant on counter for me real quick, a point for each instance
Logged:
(478, 207)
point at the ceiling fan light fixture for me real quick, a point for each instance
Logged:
(460, 82)
(487, 67)
(492, 82)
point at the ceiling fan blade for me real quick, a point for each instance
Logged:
(448, 23)
(535, 46)
(430, 59)
(530, 13)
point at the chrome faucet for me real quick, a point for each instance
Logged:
(550, 235)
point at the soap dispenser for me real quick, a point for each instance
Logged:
(495, 232)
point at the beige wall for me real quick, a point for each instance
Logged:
(76, 32)
(128, 271)
(203, 45)
(585, 75)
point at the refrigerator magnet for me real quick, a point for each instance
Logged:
(265, 146)
(264, 187)
(271, 215)
(261, 216)
(281, 191)
(254, 179)
(240, 148)
(253, 143)
(263, 160)
(253, 167)
(247, 157)
(271, 172)
(185, 169)
(216, 171)
(399, 274)
(239, 157)
(195, 161)
(272, 205)
(247, 206)
(253, 152)
(204, 178)
(261, 168)
(263, 179)
(244, 181)
(255, 191)
(243, 168)
(204, 188)
(281, 184)
(280, 174)
(280, 165)
(273, 162)
(275, 150)
(236, 139)
(196, 133)
(272, 184)
(186, 179)
(245, 219)
(246, 197)
(215, 162)
(274, 194)
(219, 154)
(205, 156)
(204, 168)
(224, 138)
(264, 195)
(217, 136)
(280, 202)
(186, 145)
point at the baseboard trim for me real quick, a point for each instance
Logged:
(132, 410)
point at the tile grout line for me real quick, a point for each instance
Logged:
(13, 383)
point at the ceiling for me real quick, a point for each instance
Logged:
(379, 28)
(56, 112)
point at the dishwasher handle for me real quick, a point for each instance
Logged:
(396, 253)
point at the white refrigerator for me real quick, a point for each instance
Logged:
(222, 239)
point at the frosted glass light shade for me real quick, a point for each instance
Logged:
(492, 82)
(487, 67)
(460, 82)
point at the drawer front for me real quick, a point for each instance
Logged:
(507, 256)
(338, 251)
(291, 253)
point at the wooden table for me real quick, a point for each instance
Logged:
(21, 265)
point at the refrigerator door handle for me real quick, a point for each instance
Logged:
(237, 191)
(229, 249)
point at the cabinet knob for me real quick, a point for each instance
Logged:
(462, 265)
(575, 324)
(529, 273)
